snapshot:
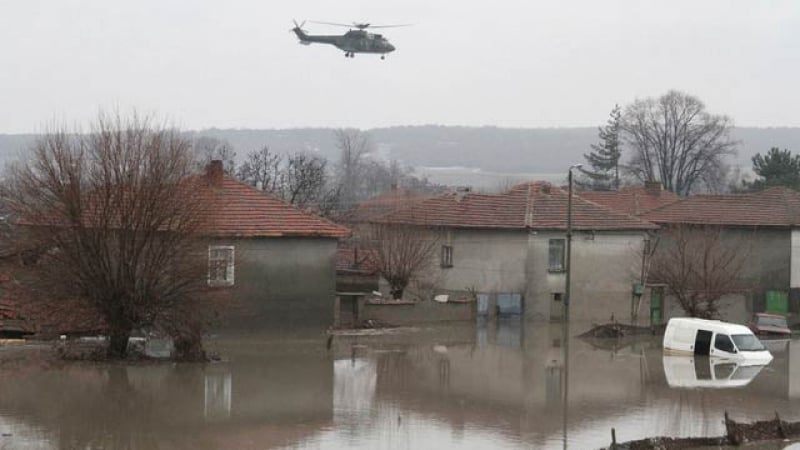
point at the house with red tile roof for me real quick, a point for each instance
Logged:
(510, 249)
(766, 226)
(634, 200)
(279, 261)
(275, 262)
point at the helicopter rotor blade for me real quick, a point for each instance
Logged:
(391, 26)
(348, 25)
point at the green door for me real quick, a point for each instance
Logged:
(656, 315)
(777, 302)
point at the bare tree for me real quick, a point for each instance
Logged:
(354, 146)
(305, 180)
(118, 219)
(401, 253)
(674, 141)
(207, 149)
(697, 267)
(300, 179)
(262, 168)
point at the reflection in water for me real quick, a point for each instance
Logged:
(496, 386)
(705, 372)
(218, 396)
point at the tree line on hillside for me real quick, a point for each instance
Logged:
(674, 141)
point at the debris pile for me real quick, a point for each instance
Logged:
(736, 434)
(618, 330)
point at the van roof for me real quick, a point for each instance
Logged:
(710, 325)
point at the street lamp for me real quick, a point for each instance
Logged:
(569, 241)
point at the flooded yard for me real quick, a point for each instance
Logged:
(500, 385)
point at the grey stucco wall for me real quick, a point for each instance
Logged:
(767, 266)
(768, 259)
(489, 260)
(737, 308)
(282, 283)
(605, 265)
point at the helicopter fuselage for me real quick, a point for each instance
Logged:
(354, 41)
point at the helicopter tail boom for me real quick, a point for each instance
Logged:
(306, 38)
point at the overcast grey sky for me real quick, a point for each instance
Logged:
(520, 63)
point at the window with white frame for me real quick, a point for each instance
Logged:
(447, 256)
(556, 256)
(220, 265)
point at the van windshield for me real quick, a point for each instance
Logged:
(747, 342)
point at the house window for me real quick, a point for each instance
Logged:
(556, 256)
(220, 265)
(447, 256)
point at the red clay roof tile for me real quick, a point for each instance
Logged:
(240, 210)
(774, 207)
(635, 200)
(536, 205)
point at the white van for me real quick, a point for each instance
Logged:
(685, 336)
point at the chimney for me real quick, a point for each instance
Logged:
(462, 191)
(653, 188)
(214, 172)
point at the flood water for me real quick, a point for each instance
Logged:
(501, 385)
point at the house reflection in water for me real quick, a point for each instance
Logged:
(498, 385)
(218, 396)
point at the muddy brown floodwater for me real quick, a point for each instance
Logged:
(499, 385)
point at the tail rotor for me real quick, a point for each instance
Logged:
(298, 26)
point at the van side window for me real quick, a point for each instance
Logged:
(723, 342)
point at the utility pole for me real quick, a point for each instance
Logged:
(567, 290)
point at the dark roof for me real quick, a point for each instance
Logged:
(535, 205)
(774, 207)
(240, 210)
(635, 200)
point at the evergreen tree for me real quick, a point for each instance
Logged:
(604, 157)
(776, 168)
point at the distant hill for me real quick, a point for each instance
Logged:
(546, 152)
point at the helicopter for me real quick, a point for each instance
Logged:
(356, 40)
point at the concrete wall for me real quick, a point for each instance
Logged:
(737, 308)
(282, 282)
(768, 266)
(768, 253)
(489, 260)
(605, 265)
(416, 312)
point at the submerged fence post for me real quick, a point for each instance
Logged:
(730, 430)
(613, 439)
(781, 431)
